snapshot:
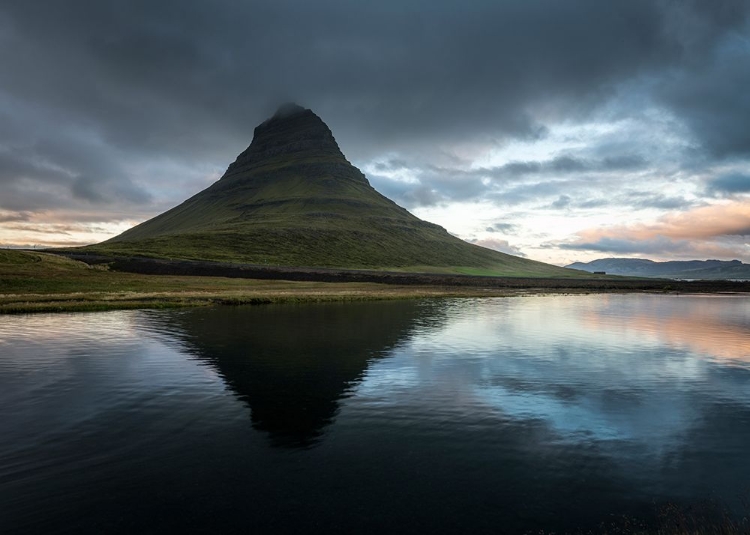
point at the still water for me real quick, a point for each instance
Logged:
(503, 415)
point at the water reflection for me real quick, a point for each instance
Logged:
(291, 364)
(714, 326)
(603, 369)
(482, 416)
(650, 412)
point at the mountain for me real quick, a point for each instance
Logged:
(687, 269)
(292, 199)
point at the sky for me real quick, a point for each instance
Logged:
(558, 131)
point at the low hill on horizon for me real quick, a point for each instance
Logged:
(676, 269)
(293, 199)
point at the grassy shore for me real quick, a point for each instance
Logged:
(40, 282)
(33, 281)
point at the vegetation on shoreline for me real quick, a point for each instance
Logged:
(32, 281)
(41, 282)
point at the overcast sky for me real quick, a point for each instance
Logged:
(559, 130)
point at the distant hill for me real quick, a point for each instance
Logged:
(292, 199)
(687, 269)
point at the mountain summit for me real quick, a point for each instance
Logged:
(292, 199)
(292, 132)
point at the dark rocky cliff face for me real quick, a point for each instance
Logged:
(294, 134)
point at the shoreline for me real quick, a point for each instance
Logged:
(13, 304)
(586, 281)
(43, 282)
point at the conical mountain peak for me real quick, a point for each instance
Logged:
(292, 135)
(292, 199)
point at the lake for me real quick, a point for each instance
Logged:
(505, 415)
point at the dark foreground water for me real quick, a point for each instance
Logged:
(476, 416)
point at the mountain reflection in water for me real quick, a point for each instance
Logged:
(509, 415)
(292, 364)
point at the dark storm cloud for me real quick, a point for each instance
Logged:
(710, 92)
(92, 89)
(145, 71)
(730, 184)
(99, 190)
(19, 165)
(39, 175)
(564, 165)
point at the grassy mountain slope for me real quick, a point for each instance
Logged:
(293, 199)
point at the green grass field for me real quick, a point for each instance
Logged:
(41, 282)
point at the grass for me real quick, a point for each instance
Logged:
(41, 282)
(317, 247)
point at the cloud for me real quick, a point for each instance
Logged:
(729, 184)
(393, 164)
(505, 228)
(594, 203)
(705, 222)
(712, 98)
(660, 248)
(422, 196)
(727, 219)
(102, 191)
(12, 217)
(127, 107)
(563, 165)
(498, 245)
(185, 76)
(53, 168)
(565, 181)
(424, 184)
(650, 199)
(706, 231)
(535, 192)
(658, 245)
(563, 201)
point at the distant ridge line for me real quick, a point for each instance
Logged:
(672, 269)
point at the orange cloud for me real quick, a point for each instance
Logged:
(705, 222)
